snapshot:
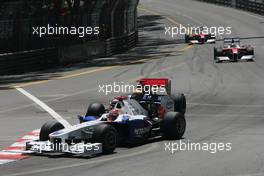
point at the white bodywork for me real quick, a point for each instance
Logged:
(245, 58)
(130, 110)
(197, 42)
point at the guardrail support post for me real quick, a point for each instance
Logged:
(233, 3)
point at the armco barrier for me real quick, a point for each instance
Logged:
(81, 52)
(20, 62)
(116, 19)
(28, 61)
(255, 6)
(120, 44)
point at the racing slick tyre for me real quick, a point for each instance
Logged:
(47, 128)
(179, 103)
(212, 37)
(217, 52)
(173, 125)
(95, 109)
(107, 135)
(250, 50)
(187, 39)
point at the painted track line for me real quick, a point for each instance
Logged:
(44, 106)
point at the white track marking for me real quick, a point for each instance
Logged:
(30, 137)
(5, 161)
(36, 131)
(50, 100)
(7, 153)
(14, 151)
(54, 114)
(18, 144)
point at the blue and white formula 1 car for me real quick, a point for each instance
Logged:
(130, 120)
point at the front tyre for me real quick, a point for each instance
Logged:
(187, 38)
(48, 128)
(217, 53)
(173, 125)
(250, 50)
(108, 136)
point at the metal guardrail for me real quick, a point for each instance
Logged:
(18, 18)
(255, 6)
(28, 52)
(20, 62)
(28, 61)
(251, 6)
(120, 44)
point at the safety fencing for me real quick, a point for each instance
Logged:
(255, 6)
(21, 51)
(28, 61)
(120, 44)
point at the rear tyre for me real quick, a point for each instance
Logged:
(47, 128)
(173, 125)
(187, 38)
(95, 109)
(108, 136)
(179, 103)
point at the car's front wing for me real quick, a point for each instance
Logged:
(205, 41)
(87, 149)
(243, 58)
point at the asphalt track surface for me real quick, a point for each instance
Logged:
(225, 101)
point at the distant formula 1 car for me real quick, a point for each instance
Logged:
(199, 36)
(233, 51)
(129, 120)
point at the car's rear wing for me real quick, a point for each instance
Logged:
(231, 40)
(156, 82)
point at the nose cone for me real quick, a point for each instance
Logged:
(234, 50)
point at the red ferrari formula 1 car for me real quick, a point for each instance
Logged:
(199, 36)
(233, 51)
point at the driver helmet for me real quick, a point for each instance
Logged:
(113, 103)
(113, 114)
(233, 45)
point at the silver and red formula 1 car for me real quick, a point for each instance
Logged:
(233, 51)
(130, 119)
(199, 36)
